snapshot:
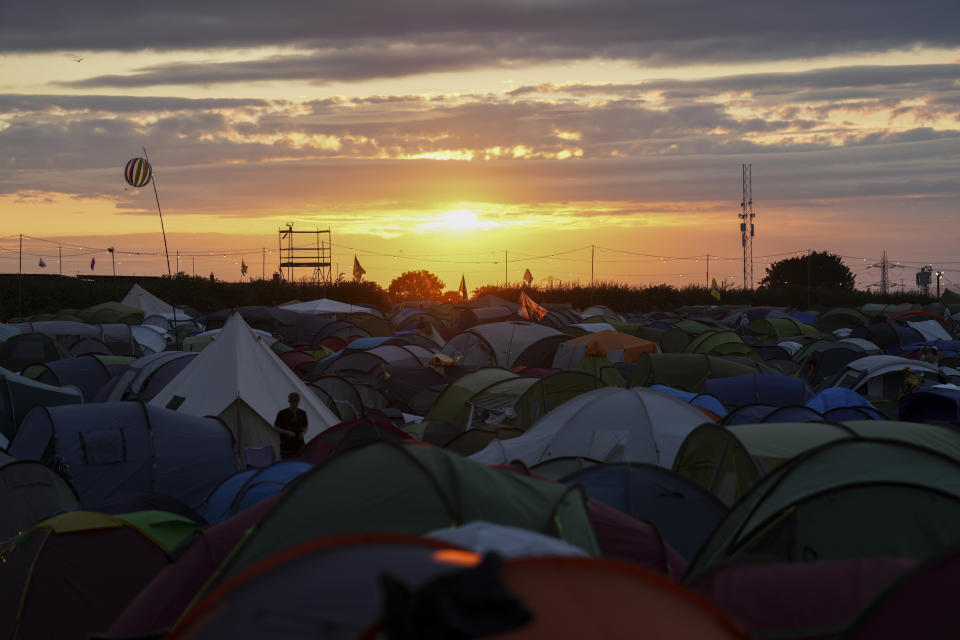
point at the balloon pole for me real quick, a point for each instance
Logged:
(173, 290)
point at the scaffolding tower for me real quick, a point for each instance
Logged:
(298, 252)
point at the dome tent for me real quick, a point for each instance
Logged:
(113, 448)
(30, 492)
(609, 424)
(386, 487)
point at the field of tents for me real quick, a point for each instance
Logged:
(495, 468)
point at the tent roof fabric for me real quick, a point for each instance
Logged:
(117, 448)
(609, 424)
(506, 340)
(410, 489)
(846, 463)
(240, 366)
(325, 305)
(150, 304)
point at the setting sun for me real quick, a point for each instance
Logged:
(456, 220)
(462, 220)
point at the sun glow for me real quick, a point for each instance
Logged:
(456, 220)
(461, 220)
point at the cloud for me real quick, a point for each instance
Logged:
(491, 32)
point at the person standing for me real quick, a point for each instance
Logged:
(291, 423)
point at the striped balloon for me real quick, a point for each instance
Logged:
(138, 172)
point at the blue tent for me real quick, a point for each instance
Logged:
(931, 405)
(840, 404)
(835, 397)
(760, 413)
(702, 400)
(87, 373)
(764, 388)
(249, 487)
(111, 449)
(682, 511)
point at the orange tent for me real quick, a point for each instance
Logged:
(618, 347)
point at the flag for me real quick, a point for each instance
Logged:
(243, 267)
(463, 288)
(93, 263)
(715, 290)
(42, 263)
(358, 271)
(527, 277)
(529, 309)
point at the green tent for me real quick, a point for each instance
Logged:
(527, 398)
(840, 318)
(111, 313)
(601, 367)
(452, 400)
(720, 343)
(391, 488)
(883, 311)
(686, 371)
(846, 499)
(772, 328)
(729, 461)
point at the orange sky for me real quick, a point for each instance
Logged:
(439, 150)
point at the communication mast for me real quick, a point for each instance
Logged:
(746, 226)
(295, 253)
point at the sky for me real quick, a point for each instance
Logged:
(578, 139)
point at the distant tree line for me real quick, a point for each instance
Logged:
(816, 281)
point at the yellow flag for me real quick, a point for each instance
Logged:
(715, 290)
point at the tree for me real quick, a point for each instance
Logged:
(416, 285)
(817, 269)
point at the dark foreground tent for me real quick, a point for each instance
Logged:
(385, 487)
(846, 499)
(73, 574)
(30, 492)
(336, 588)
(161, 602)
(112, 448)
(790, 600)
(683, 512)
(922, 604)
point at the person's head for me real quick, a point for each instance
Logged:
(294, 399)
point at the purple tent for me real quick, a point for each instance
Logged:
(810, 600)
(922, 604)
(161, 602)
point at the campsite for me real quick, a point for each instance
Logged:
(492, 467)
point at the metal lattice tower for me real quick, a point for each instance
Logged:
(884, 266)
(746, 226)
